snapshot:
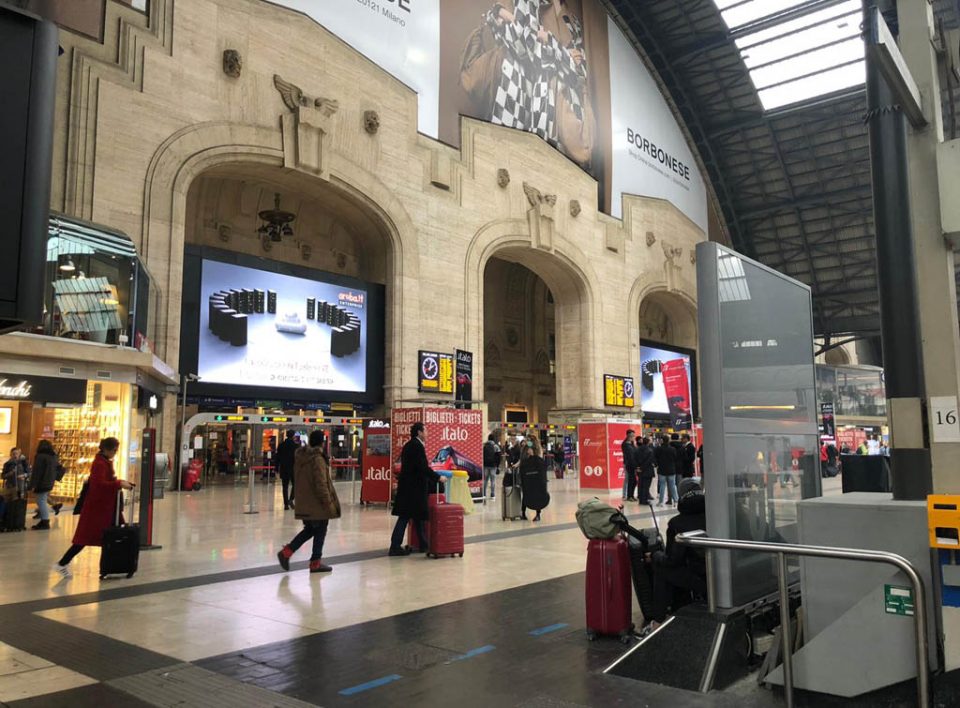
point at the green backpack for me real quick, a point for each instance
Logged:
(597, 519)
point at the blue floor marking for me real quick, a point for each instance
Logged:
(548, 629)
(376, 683)
(473, 652)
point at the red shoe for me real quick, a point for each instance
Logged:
(317, 566)
(284, 557)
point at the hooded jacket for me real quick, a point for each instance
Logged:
(316, 498)
(692, 517)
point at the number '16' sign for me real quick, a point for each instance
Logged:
(944, 419)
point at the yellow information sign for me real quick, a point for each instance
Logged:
(618, 391)
(446, 373)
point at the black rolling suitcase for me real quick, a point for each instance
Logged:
(120, 554)
(641, 542)
(15, 512)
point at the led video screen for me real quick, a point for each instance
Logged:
(667, 383)
(276, 330)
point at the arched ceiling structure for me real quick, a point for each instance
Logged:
(792, 184)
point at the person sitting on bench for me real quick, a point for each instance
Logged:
(680, 569)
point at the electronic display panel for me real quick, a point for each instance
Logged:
(668, 383)
(252, 327)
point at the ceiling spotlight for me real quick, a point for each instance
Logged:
(68, 267)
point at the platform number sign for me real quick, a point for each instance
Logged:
(944, 420)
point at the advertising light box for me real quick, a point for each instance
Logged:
(281, 331)
(271, 330)
(667, 383)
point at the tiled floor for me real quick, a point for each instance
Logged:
(214, 589)
(23, 675)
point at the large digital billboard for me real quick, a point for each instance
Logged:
(271, 327)
(560, 69)
(667, 383)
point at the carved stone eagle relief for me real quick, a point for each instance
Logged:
(293, 98)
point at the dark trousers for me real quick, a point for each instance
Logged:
(668, 582)
(317, 530)
(71, 554)
(631, 482)
(286, 481)
(644, 488)
(396, 540)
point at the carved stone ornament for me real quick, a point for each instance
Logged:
(503, 178)
(574, 208)
(223, 232)
(651, 239)
(305, 251)
(232, 63)
(371, 122)
(536, 198)
(672, 252)
(693, 257)
(293, 98)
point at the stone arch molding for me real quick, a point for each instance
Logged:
(195, 149)
(643, 287)
(566, 271)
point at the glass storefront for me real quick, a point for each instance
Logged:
(74, 427)
(95, 287)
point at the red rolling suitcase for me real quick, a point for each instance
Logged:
(609, 603)
(412, 540)
(446, 530)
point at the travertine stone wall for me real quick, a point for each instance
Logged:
(135, 133)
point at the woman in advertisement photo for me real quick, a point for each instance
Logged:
(526, 68)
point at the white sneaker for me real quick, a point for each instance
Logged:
(63, 570)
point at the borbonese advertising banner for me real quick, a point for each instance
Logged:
(268, 329)
(650, 154)
(557, 68)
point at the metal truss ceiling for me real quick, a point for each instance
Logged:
(793, 186)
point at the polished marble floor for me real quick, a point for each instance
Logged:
(214, 590)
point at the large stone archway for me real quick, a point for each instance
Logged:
(199, 149)
(567, 273)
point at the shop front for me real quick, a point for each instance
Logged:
(73, 414)
(86, 371)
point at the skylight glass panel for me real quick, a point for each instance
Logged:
(812, 62)
(741, 12)
(809, 55)
(843, 77)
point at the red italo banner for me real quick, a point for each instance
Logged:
(454, 439)
(375, 486)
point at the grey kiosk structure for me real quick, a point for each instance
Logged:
(762, 484)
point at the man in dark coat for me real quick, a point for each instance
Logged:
(666, 458)
(687, 456)
(646, 469)
(679, 570)
(286, 452)
(629, 449)
(413, 487)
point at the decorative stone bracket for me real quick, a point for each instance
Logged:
(305, 128)
(541, 217)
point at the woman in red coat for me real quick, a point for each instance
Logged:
(99, 506)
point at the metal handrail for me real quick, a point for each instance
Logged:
(699, 539)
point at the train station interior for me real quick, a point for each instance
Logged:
(534, 353)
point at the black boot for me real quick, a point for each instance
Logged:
(41, 526)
